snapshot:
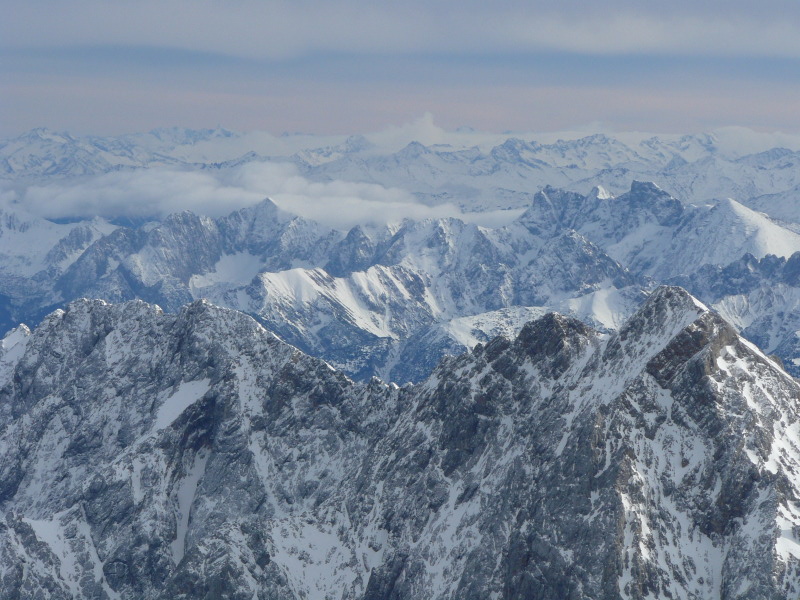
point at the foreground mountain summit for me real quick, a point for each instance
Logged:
(147, 455)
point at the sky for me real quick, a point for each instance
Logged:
(118, 66)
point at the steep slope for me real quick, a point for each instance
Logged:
(30, 246)
(746, 177)
(420, 276)
(378, 299)
(782, 206)
(147, 455)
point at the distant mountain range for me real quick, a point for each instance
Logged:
(694, 168)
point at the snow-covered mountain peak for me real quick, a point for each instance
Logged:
(728, 222)
(669, 303)
(554, 338)
(43, 134)
(671, 297)
(552, 210)
(767, 158)
(181, 136)
(515, 149)
(667, 312)
(598, 192)
(649, 197)
(412, 151)
(265, 211)
(357, 143)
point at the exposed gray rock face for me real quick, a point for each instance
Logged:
(194, 455)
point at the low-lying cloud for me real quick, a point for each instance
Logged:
(136, 194)
(155, 193)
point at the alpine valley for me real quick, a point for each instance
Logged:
(594, 345)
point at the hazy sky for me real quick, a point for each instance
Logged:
(114, 66)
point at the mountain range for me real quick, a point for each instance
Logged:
(200, 405)
(391, 300)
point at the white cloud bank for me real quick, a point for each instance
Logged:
(158, 192)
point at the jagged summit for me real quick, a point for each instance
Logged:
(646, 188)
(600, 193)
(667, 310)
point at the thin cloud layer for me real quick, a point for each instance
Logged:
(279, 30)
(154, 193)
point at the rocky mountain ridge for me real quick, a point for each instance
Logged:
(152, 455)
